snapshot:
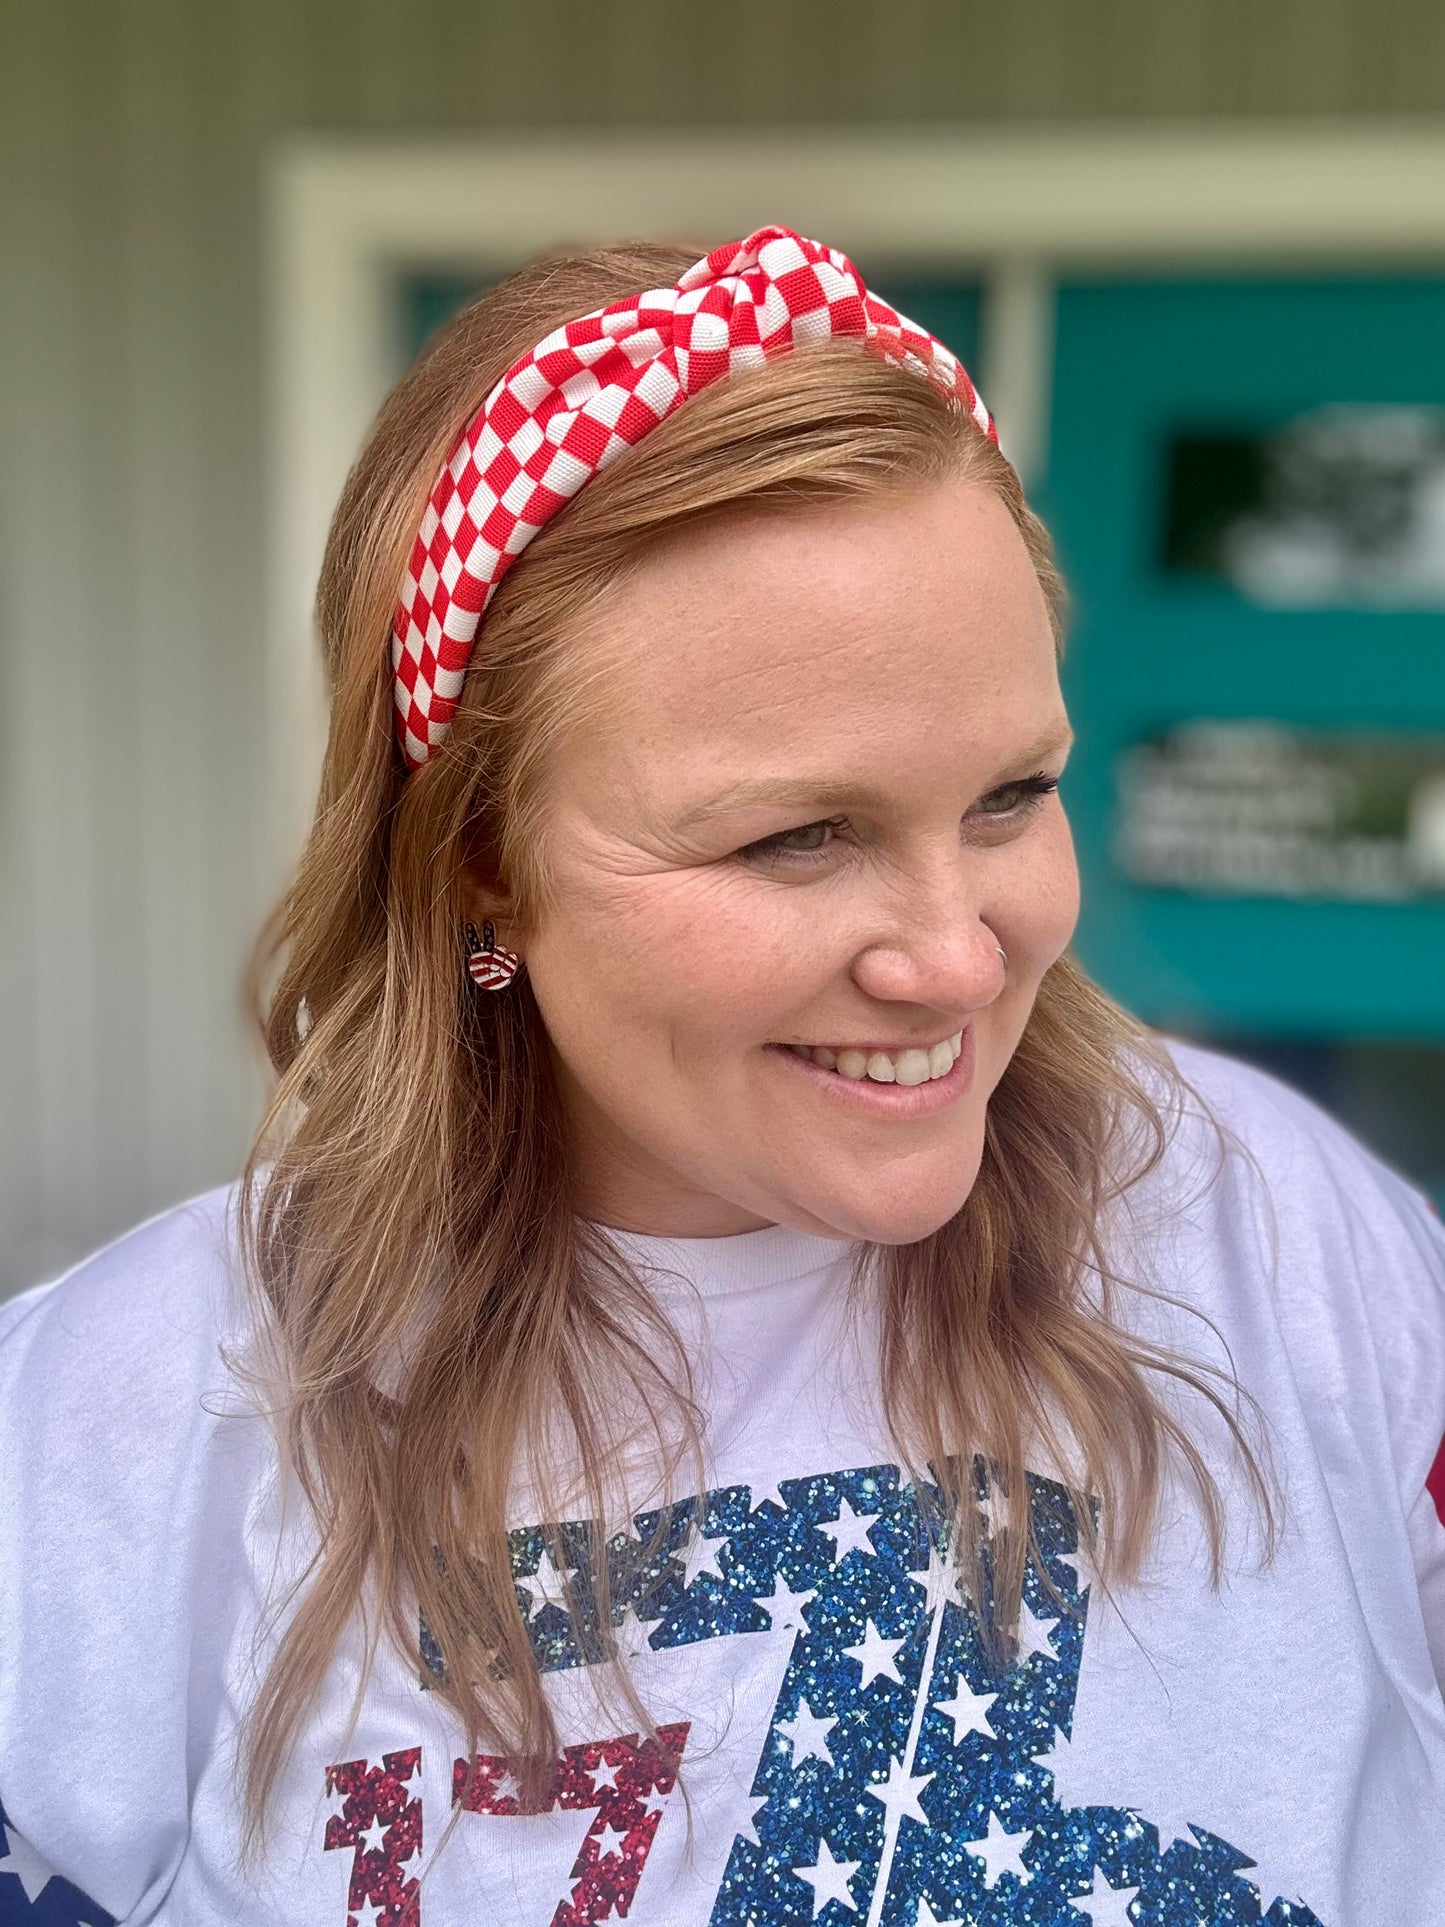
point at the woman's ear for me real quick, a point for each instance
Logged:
(484, 900)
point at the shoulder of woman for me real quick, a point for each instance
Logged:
(1273, 1219)
(1279, 1146)
(131, 1454)
(136, 1320)
(122, 1418)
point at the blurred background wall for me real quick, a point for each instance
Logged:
(147, 790)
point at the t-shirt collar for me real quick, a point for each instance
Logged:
(746, 1260)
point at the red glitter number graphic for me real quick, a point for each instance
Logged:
(628, 1781)
(382, 1826)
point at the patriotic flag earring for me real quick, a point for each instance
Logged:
(489, 967)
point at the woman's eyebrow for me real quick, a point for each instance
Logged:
(805, 792)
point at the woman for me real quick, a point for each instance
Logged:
(738, 1386)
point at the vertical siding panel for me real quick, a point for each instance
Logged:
(1287, 63)
(399, 55)
(1391, 60)
(1417, 77)
(64, 531)
(164, 435)
(327, 48)
(1172, 53)
(1034, 72)
(638, 65)
(191, 464)
(889, 52)
(102, 1101)
(39, 858)
(510, 50)
(225, 139)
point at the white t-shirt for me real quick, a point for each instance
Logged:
(1273, 1750)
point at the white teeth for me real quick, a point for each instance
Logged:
(912, 1067)
(906, 1067)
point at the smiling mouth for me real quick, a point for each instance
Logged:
(913, 1065)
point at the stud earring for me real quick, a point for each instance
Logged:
(489, 967)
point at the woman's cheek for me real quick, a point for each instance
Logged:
(1044, 901)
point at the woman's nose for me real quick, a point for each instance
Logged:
(949, 958)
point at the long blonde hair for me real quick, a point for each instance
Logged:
(409, 1196)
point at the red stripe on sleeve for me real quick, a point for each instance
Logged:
(1435, 1484)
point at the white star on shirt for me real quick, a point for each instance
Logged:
(877, 1656)
(633, 1637)
(1106, 1906)
(968, 1711)
(849, 1533)
(25, 1863)
(604, 1777)
(1035, 1634)
(370, 1912)
(700, 1555)
(1275, 1882)
(829, 1879)
(1083, 1568)
(1000, 1852)
(899, 1794)
(784, 1606)
(1169, 1821)
(925, 1917)
(941, 1581)
(506, 1788)
(372, 1836)
(1058, 1758)
(749, 1830)
(760, 1495)
(994, 1507)
(808, 1735)
(546, 1586)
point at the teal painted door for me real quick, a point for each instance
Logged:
(1143, 371)
(1165, 393)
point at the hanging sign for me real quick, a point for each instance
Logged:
(1265, 809)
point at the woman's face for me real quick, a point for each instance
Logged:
(813, 807)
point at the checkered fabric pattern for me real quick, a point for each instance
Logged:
(593, 388)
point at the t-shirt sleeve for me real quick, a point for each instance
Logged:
(1421, 1421)
(1426, 1522)
(1357, 1258)
(127, 1459)
(1427, 1543)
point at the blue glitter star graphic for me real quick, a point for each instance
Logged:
(31, 1893)
(905, 1779)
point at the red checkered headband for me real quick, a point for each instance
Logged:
(594, 387)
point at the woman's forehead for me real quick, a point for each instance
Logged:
(912, 609)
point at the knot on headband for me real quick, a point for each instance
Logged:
(592, 388)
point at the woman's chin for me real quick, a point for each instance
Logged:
(901, 1216)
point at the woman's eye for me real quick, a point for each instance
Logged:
(814, 840)
(809, 839)
(1022, 795)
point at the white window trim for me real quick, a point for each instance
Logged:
(1014, 208)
